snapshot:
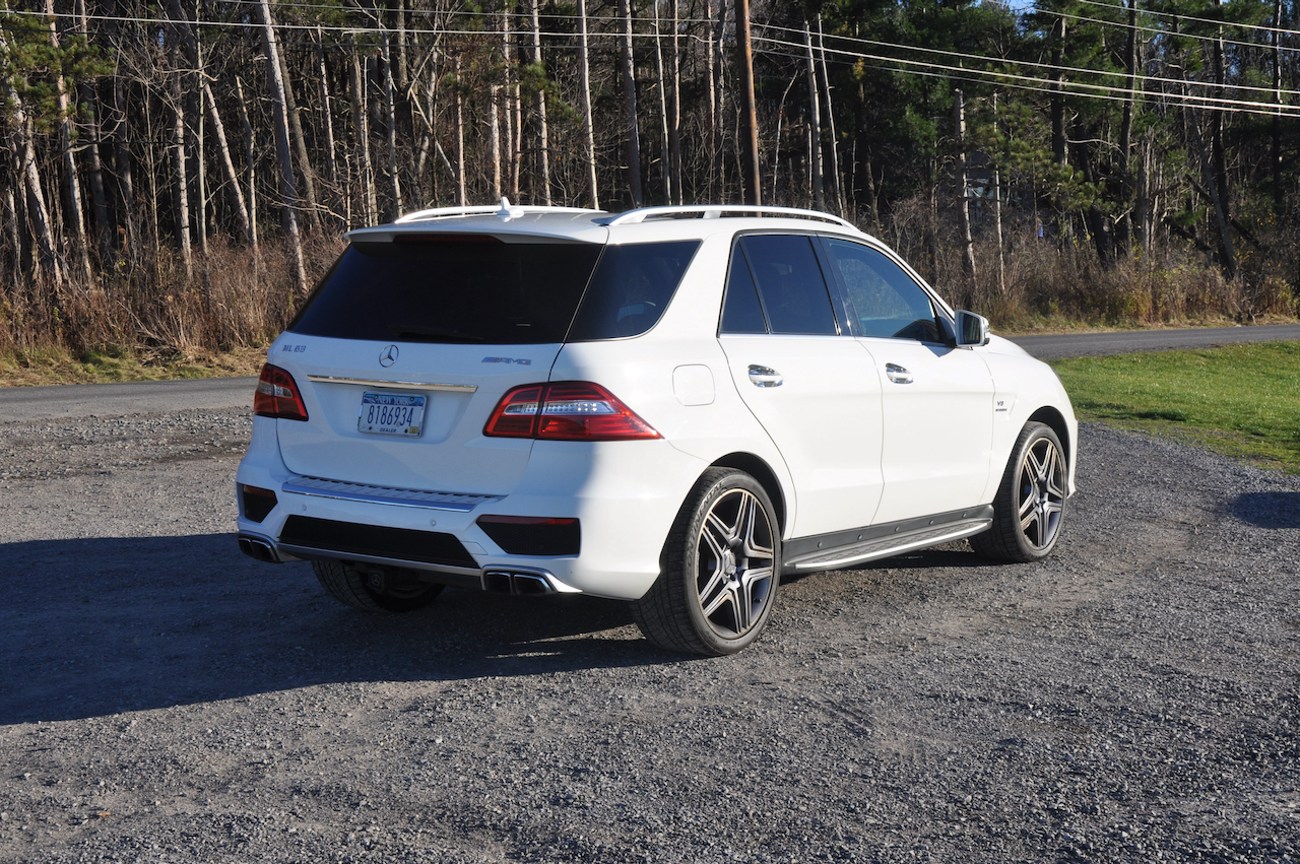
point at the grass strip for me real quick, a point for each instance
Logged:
(1242, 401)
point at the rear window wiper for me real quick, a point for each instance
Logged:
(433, 334)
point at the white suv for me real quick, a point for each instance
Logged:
(672, 406)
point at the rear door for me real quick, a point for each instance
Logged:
(805, 379)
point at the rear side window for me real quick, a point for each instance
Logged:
(631, 288)
(791, 287)
(445, 288)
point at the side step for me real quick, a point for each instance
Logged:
(846, 548)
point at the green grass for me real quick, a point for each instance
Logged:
(1242, 401)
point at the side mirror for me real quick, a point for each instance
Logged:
(972, 329)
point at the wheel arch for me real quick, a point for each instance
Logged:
(766, 477)
(1053, 418)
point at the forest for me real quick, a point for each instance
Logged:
(176, 173)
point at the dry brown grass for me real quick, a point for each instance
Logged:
(153, 314)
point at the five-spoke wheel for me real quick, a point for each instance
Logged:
(720, 569)
(1030, 503)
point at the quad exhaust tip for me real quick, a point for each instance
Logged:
(518, 583)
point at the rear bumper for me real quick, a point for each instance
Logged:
(615, 491)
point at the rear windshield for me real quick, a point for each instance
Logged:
(451, 289)
(479, 289)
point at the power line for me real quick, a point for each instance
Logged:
(1047, 67)
(1051, 87)
(1282, 31)
(1016, 80)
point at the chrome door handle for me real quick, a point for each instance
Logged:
(898, 374)
(762, 376)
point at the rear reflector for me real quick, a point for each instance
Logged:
(533, 535)
(257, 502)
(565, 411)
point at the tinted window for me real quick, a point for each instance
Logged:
(741, 311)
(885, 300)
(443, 288)
(631, 288)
(790, 284)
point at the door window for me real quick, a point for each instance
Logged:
(885, 300)
(780, 273)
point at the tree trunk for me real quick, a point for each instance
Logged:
(1122, 227)
(90, 103)
(494, 138)
(814, 124)
(1218, 170)
(713, 154)
(997, 217)
(284, 152)
(180, 193)
(630, 121)
(675, 109)
(837, 184)
(310, 205)
(184, 30)
(46, 259)
(361, 131)
(327, 118)
(588, 127)
(122, 170)
(1059, 153)
(76, 217)
(194, 99)
(250, 164)
(963, 195)
(744, 48)
(460, 136)
(514, 118)
(390, 111)
(662, 87)
(539, 100)
(1275, 152)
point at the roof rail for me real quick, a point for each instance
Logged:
(718, 211)
(505, 210)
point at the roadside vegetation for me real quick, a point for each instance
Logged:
(1241, 401)
(178, 174)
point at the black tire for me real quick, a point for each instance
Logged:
(373, 588)
(719, 569)
(1030, 505)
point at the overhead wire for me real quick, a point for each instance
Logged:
(1051, 87)
(909, 65)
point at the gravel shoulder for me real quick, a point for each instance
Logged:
(164, 699)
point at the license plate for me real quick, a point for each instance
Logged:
(391, 414)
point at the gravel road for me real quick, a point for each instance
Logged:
(163, 699)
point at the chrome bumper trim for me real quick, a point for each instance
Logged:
(340, 491)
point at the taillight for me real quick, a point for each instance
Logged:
(565, 411)
(277, 395)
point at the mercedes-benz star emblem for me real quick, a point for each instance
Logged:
(388, 356)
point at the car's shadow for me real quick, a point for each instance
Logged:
(99, 626)
(1271, 510)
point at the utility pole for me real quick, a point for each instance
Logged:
(753, 184)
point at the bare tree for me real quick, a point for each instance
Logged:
(288, 186)
(584, 85)
(631, 124)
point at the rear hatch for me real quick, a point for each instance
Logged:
(409, 343)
